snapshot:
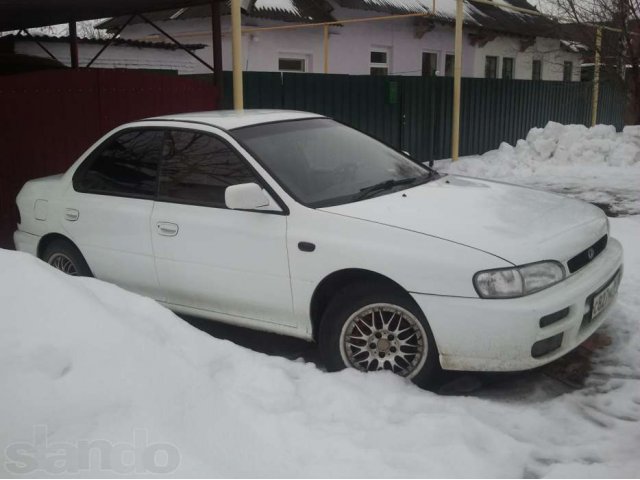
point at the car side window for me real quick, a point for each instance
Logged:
(127, 165)
(197, 167)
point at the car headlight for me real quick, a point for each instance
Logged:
(518, 281)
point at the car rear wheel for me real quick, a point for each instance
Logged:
(371, 327)
(66, 257)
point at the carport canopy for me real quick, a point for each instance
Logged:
(19, 14)
(25, 14)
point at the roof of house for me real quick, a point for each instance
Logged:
(231, 119)
(495, 18)
(97, 41)
(301, 11)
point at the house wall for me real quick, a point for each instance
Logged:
(350, 46)
(115, 56)
(546, 49)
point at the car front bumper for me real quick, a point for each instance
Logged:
(477, 334)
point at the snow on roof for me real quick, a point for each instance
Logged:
(282, 10)
(99, 41)
(497, 17)
(575, 47)
(277, 5)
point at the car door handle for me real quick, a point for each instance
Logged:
(71, 214)
(167, 229)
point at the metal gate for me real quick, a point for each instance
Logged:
(414, 113)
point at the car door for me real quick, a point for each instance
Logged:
(209, 257)
(107, 210)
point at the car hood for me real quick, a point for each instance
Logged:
(518, 224)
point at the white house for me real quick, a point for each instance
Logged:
(121, 53)
(498, 43)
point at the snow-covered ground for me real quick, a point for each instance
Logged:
(84, 361)
(98, 381)
(595, 164)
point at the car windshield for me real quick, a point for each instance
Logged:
(321, 162)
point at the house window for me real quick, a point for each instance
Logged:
(429, 64)
(567, 71)
(449, 64)
(507, 68)
(379, 62)
(536, 70)
(292, 65)
(491, 67)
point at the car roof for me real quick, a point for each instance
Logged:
(230, 119)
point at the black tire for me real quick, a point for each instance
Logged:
(352, 299)
(63, 249)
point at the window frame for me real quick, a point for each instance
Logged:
(436, 64)
(512, 61)
(87, 163)
(537, 61)
(486, 65)
(567, 63)
(295, 57)
(386, 65)
(453, 64)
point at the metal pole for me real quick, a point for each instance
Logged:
(178, 44)
(325, 45)
(236, 49)
(38, 43)
(216, 34)
(110, 41)
(596, 78)
(73, 44)
(457, 80)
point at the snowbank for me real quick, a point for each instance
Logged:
(595, 164)
(84, 364)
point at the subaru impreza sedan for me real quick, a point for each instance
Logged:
(292, 223)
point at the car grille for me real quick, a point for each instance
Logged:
(587, 255)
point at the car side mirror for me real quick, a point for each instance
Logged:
(245, 196)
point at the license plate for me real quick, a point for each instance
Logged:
(603, 299)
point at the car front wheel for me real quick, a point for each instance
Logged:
(370, 327)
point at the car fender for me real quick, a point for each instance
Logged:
(418, 262)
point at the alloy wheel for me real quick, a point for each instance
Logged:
(63, 263)
(383, 336)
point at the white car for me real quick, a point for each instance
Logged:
(292, 223)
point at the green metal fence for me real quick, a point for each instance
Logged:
(414, 113)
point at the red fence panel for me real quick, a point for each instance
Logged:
(47, 119)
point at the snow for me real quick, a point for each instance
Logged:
(444, 8)
(85, 361)
(277, 5)
(595, 164)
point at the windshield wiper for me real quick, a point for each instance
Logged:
(383, 186)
